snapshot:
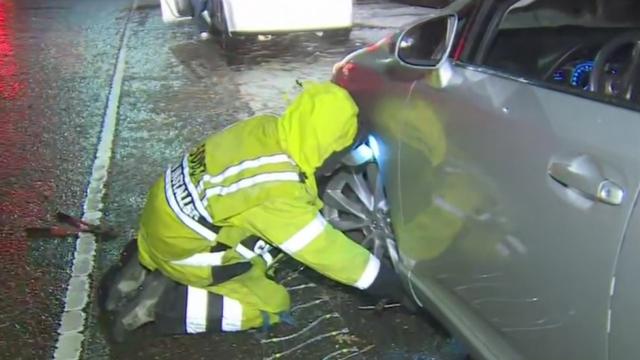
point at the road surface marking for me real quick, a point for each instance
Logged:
(71, 331)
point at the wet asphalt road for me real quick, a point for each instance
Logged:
(57, 64)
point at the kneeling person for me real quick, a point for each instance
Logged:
(213, 223)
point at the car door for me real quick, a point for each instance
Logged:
(501, 224)
(623, 343)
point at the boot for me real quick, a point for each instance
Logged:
(141, 309)
(127, 279)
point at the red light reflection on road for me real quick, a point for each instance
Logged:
(21, 192)
(26, 185)
(10, 86)
(12, 165)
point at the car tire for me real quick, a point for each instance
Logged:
(355, 203)
(227, 42)
(339, 36)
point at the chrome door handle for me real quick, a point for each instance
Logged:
(583, 174)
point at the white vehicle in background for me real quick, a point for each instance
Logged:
(236, 19)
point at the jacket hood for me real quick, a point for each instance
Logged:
(323, 119)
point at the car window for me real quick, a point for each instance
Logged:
(556, 43)
(537, 13)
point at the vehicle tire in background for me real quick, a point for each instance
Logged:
(339, 36)
(211, 10)
(228, 42)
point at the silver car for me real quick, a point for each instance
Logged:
(502, 174)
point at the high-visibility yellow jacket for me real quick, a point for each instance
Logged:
(256, 178)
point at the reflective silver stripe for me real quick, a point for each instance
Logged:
(303, 237)
(369, 274)
(251, 181)
(250, 254)
(245, 252)
(267, 258)
(187, 218)
(202, 259)
(196, 313)
(231, 314)
(247, 164)
(192, 190)
(448, 207)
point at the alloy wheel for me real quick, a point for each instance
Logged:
(355, 202)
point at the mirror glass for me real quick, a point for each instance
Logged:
(427, 43)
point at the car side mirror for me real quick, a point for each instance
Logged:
(427, 44)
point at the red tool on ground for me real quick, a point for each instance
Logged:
(74, 226)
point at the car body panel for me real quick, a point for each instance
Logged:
(381, 99)
(517, 263)
(626, 294)
(532, 257)
(274, 16)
